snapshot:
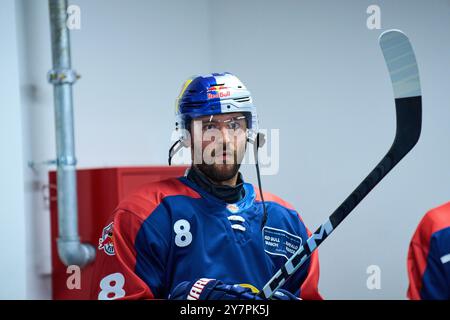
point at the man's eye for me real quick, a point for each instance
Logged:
(209, 126)
(234, 125)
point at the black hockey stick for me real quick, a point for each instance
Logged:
(402, 66)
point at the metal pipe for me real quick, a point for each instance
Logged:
(70, 250)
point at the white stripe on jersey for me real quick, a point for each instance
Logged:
(238, 227)
(445, 259)
(236, 218)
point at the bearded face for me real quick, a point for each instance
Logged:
(218, 144)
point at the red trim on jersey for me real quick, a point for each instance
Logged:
(433, 221)
(273, 198)
(149, 196)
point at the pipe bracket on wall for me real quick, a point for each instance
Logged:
(62, 76)
(34, 165)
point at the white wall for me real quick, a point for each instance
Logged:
(12, 220)
(316, 73)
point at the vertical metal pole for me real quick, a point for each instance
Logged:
(70, 250)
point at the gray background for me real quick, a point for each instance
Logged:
(316, 73)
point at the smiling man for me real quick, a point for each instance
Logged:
(208, 234)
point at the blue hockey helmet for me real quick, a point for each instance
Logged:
(212, 94)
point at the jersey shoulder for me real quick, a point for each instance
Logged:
(143, 201)
(270, 197)
(437, 218)
(433, 221)
(276, 201)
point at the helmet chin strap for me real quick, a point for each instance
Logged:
(258, 142)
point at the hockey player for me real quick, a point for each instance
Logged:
(429, 257)
(208, 234)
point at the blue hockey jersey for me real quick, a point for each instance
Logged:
(173, 231)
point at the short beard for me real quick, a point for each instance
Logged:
(217, 175)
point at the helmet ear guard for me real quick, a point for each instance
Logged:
(185, 142)
(258, 139)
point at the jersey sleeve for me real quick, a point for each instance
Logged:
(416, 265)
(129, 262)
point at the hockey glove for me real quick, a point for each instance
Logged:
(211, 289)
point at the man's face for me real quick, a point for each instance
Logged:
(218, 144)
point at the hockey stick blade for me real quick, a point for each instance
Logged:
(401, 63)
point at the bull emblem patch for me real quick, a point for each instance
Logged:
(106, 242)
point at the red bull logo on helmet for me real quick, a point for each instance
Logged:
(106, 242)
(215, 92)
